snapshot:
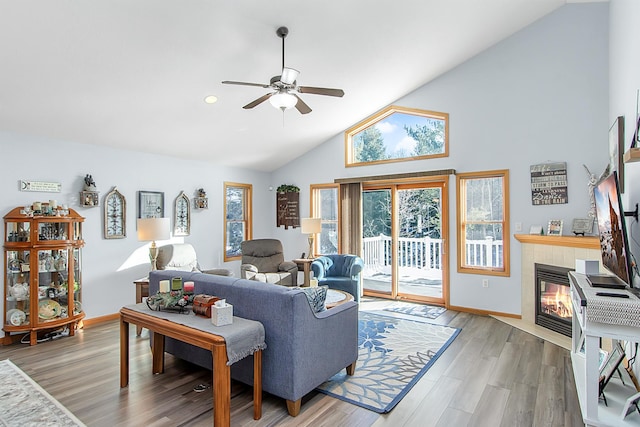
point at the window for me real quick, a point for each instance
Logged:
(237, 214)
(324, 205)
(397, 134)
(483, 226)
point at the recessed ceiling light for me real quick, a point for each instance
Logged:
(211, 99)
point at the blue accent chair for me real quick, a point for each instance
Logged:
(341, 272)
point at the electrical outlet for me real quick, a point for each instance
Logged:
(485, 283)
(518, 226)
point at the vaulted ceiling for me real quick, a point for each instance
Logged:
(134, 74)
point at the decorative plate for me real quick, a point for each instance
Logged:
(48, 309)
(16, 317)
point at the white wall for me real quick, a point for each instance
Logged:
(540, 95)
(110, 266)
(624, 82)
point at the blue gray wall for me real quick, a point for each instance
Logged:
(538, 96)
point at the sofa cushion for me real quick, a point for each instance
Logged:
(316, 297)
(275, 278)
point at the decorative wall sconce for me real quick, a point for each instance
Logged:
(89, 196)
(201, 201)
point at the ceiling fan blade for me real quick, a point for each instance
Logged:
(228, 82)
(321, 91)
(258, 101)
(302, 107)
(289, 75)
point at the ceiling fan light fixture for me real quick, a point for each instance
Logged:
(289, 75)
(283, 100)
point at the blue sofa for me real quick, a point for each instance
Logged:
(304, 348)
(341, 272)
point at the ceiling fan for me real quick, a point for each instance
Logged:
(285, 87)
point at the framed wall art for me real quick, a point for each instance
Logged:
(616, 149)
(549, 184)
(150, 204)
(181, 215)
(115, 215)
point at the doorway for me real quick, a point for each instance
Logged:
(405, 241)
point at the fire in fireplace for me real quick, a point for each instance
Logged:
(553, 298)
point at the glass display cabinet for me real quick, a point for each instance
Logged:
(43, 273)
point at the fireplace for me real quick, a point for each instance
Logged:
(553, 298)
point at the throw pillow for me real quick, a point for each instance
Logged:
(316, 297)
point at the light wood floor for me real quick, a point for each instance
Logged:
(491, 375)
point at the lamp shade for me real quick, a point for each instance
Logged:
(152, 229)
(283, 100)
(311, 225)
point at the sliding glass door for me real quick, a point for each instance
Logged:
(377, 246)
(404, 241)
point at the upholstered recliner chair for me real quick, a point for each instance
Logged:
(341, 272)
(263, 261)
(182, 257)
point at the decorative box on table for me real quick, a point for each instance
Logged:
(202, 304)
(221, 316)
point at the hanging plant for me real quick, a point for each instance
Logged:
(286, 188)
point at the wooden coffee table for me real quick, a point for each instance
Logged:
(160, 328)
(336, 297)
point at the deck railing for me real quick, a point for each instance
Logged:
(426, 253)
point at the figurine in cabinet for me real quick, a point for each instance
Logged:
(19, 291)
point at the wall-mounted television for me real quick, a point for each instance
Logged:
(612, 233)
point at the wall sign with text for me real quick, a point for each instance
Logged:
(288, 210)
(549, 184)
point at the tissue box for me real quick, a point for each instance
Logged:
(221, 316)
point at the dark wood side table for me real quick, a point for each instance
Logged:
(304, 264)
(142, 291)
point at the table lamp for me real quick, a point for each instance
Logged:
(150, 230)
(311, 226)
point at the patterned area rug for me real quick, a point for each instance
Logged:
(420, 310)
(25, 403)
(393, 355)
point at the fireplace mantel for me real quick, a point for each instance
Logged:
(561, 251)
(585, 242)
